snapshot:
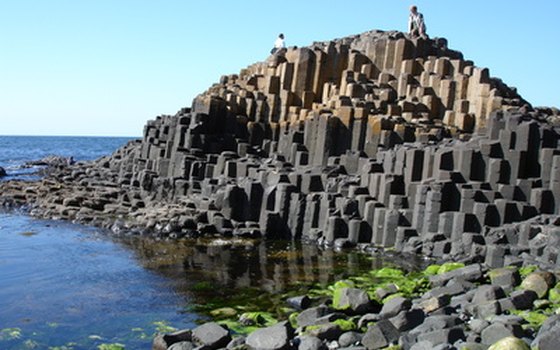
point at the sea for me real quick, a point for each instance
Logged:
(67, 286)
(16, 151)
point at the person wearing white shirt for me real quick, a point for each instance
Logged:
(416, 25)
(279, 44)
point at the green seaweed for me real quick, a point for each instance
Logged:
(263, 319)
(293, 319)
(111, 346)
(28, 233)
(408, 285)
(345, 325)
(392, 296)
(343, 284)
(449, 266)
(203, 286)
(223, 313)
(238, 328)
(249, 322)
(432, 270)
(388, 273)
(554, 294)
(163, 327)
(31, 344)
(527, 270)
(10, 333)
(534, 318)
(336, 299)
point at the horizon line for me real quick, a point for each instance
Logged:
(68, 135)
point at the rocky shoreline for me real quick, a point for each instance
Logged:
(451, 306)
(378, 141)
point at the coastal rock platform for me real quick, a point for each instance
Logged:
(376, 140)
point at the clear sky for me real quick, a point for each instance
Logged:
(104, 67)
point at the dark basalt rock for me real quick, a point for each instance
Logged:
(378, 141)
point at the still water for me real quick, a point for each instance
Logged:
(66, 286)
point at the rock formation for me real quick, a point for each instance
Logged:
(376, 139)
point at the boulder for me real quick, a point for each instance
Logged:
(299, 302)
(395, 305)
(442, 336)
(511, 343)
(236, 342)
(519, 299)
(539, 282)
(368, 318)
(276, 337)
(470, 346)
(487, 293)
(382, 293)
(549, 334)
(2, 172)
(497, 331)
(468, 273)
(211, 336)
(425, 345)
(486, 310)
(477, 325)
(352, 300)
(184, 345)
(436, 322)
(349, 339)
(309, 316)
(164, 341)
(327, 331)
(507, 277)
(309, 342)
(380, 335)
(407, 320)
(434, 303)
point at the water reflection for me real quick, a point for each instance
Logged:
(66, 284)
(222, 272)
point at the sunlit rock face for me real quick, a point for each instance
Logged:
(372, 139)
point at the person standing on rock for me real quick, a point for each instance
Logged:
(416, 25)
(279, 44)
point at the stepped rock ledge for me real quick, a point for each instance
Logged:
(372, 139)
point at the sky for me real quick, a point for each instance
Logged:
(105, 67)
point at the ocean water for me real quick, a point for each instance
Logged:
(15, 151)
(66, 286)
(73, 287)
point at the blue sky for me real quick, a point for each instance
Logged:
(104, 67)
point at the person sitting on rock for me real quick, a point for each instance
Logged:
(279, 45)
(416, 25)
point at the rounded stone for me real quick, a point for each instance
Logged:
(510, 343)
(539, 282)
